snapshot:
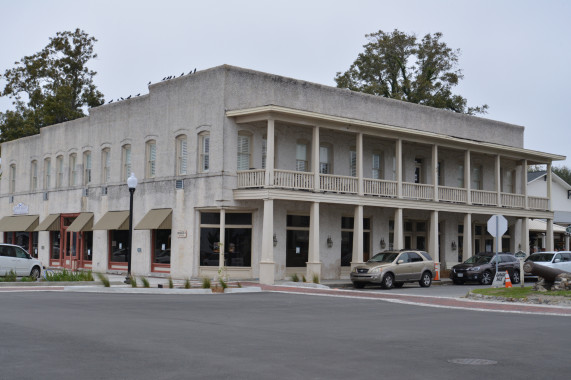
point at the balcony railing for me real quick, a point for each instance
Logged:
(290, 179)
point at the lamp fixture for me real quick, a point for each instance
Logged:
(329, 241)
(453, 245)
(275, 240)
(383, 244)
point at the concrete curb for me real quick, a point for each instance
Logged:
(129, 290)
(250, 289)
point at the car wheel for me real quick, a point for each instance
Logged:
(458, 282)
(35, 273)
(425, 280)
(515, 276)
(486, 278)
(358, 285)
(388, 281)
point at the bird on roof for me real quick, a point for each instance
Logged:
(111, 101)
(194, 70)
(182, 73)
(164, 78)
(149, 83)
(122, 98)
(138, 94)
(129, 97)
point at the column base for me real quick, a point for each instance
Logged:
(313, 269)
(267, 273)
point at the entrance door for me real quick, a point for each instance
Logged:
(70, 246)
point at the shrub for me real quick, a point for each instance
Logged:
(206, 283)
(171, 284)
(28, 279)
(104, 280)
(10, 276)
(133, 281)
(145, 282)
(295, 278)
(315, 279)
(303, 277)
(65, 275)
(187, 283)
(223, 283)
(239, 285)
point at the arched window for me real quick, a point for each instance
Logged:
(72, 169)
(59, 171)
(106, 165)
(47, 173)
(151, 158)
(12, 178)
(34, 175)
(181, 155)
(125, 161)
(204, 152)
(86, 168)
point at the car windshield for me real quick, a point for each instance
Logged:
(478, 260)
(541, 257)
(385, 257)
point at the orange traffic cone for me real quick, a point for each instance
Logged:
(436, 272)
(508, 281)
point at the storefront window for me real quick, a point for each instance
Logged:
(162, 247)
(237, 239)
(26, 240)
(55, 237)
(119, 240)
(88, 245)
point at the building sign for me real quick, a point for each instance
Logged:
(20, 209)
(181, 234)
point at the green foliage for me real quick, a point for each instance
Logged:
(563, 172)
(239, 285)
(187, 284)
(303, 279)
(223, 283)
(295, 277)
(171, 284)
(133, 281)
(519, 292)
(206, 283)
(104, 280)
(51, 86)
(399, 66)
(65, 275)
(315, 279)
(10, 276)
(28, 279)
(145, 282)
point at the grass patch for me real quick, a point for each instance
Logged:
(103, 278)
(315, 279)
(303, 279)
(205, 283)
(67, 275)
(28, 279)
(133, 282)
(223, 283)
(295, 277)
(518, 292)
(145, 282)
(187, 283)
(10, 277)
(171, 284)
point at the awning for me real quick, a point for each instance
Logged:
(50, 223)
(19, 223)
(156, 219)
(113, 220)
(83, 222)
(538, 225)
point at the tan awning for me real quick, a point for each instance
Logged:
(19, 223)
(83, 222)
(113, 220)
(538, 225)
(50, 223)
(156, 219)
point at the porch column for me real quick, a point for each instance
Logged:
(498, 180)
(398, 170)
(467, 244)
(467, 179)
(525, 235)
(433, 238)
(357, 237)
(222, 246)
(566, 242)
(267, 264)
(549, 236)
(524, 186)
(549, 182)
(314, 263)
(315, 158)
(398, 242)
(435, 171)
(359, 152)
(270, 148)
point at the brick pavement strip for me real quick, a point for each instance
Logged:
(428, 300)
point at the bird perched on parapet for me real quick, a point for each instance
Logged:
(122, 98)
(148, 84)
(129, 97)
(138, 94)
(194, 70)
(182, 73)
(111, 101)
(164, 78)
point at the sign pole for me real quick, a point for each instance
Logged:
(498, 236)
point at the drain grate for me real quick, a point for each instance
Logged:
(473, 361)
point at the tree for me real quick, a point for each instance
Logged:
(396, 65)
(51, 86)
(563, 172)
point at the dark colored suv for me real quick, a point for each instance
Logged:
(482, 268)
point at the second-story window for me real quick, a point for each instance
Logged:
(181, 155)
(86, 168)
(353, 161)
(264, 151)
(151, 158)
(106, 165)
(476, 177)
(418, 175)
(12, 178)
(508, 181)
(243, 152)
(460, 175)
(204, 152)
(59, 171)
(301, 164)
(47, 173)
(34, 175)
(376, 172)
(126, 161)
(72, 170)
(324, 160)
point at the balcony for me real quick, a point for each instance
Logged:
(294, 180)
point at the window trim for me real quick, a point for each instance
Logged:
(204, 154)
(240, 154)
(151, 158)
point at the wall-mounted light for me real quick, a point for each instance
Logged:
(329, 241)
(453, 245)
(383, 244)
(275, 240)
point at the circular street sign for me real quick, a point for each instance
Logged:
(497, 224)
(568, 229)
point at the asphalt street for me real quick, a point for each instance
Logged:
(61, 335)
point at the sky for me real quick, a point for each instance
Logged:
(515, 54)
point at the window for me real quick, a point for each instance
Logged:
(324, 160)
(47, 173)
(151, 158)
(376, 171)
(301, 164)
(59, 171)
(119, 243)
(161, 247)
(126, 162)
(508, 181)
(460, 176)
(476, 177)
(181, 155)
(439, 171)
(12, 178)
(86, 168)
(264, 151)
(353, 161)
(72, 170)
(297, 240)
(204, 152)
(243, 151)
(347, 226)
(418, 175)
(34, 175)
(106, 165)
(237, 239)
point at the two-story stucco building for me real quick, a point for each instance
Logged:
(268, 176)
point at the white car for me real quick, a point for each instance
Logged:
(558, 260)
(15, 258)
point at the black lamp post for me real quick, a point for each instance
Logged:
(132, 184)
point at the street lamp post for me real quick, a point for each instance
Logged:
(132, 184)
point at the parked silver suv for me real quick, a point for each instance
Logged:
(394, 268)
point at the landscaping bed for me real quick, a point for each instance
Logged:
(525, 295)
